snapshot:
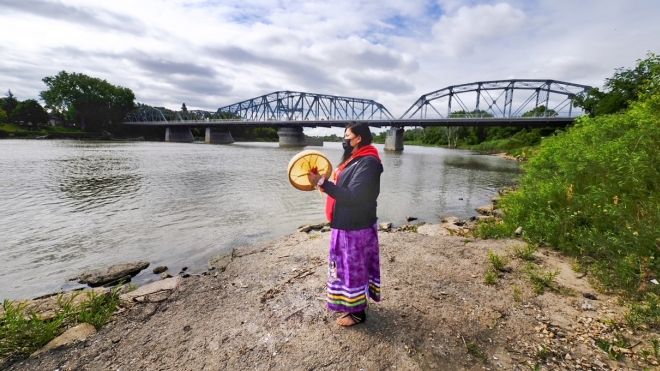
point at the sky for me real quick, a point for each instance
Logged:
(210, 54)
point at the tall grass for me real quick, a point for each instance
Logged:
(592, 192)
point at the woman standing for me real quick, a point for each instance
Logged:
(353, 261)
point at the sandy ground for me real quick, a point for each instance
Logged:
(266, 311)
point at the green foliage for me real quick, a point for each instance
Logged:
(8, 103)
(93, 103)
(645, 312)
(540, 279)
(492, 228)
(525, 252)
(490, 277)
(593, 191)
(22, 331)
(3, 116)
(612, 348)
(498, 263)
(625, 87)
(474, 350)
(29, 112)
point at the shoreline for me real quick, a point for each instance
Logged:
(263, 307)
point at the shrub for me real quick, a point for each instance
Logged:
(593, 191)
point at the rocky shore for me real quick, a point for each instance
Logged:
(262, 307)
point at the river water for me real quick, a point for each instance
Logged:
(66, 205)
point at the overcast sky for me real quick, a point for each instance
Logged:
(210, 54)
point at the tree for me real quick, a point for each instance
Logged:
(3, 116)
(183, 107)
(91, 102)
(540, 111)
(29, 112)
(625, 87)
(8, 103)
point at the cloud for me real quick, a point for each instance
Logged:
(164, 67)
(71, 14)
(472, 27)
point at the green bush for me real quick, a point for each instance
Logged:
(593, 192)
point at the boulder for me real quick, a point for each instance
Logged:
(518, 231)
(101, 276)
(155, 291)
(485, 209)
(72, 335)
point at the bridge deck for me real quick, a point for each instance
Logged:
(514, 121)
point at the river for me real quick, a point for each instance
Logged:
(67, 206)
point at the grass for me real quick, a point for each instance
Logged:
(493, 229)
(540, 279)
(22, 331)
(645, 312)
(474, 350)
(525, 253)
(612, 347)
(490, 277)
(497, 262)
(592, 193)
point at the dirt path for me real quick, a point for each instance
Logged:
(266, 311)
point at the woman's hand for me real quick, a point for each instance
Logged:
(313, 178)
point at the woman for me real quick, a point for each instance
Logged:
(353, 261)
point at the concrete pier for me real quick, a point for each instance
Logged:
(394, 139)
(178, 134)
(291, 137)
(218, 136)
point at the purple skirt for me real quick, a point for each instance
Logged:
(353, 269)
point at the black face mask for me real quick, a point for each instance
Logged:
(347, 145)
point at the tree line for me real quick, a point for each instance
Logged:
(72, 99)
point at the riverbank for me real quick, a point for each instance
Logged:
(263, 308)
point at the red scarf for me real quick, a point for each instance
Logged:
(367, 150)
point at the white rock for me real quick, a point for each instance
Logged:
(74, 334)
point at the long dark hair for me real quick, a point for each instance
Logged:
(361, 130)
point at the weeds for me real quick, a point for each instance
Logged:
(474, 350)
(613, 349)
(540, 279)
(490, 277)
(492, 229)
(498, 263)
(645, 312)
(525, 253)
(517, 294)
(22, 331)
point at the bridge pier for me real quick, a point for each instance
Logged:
(394, 139)
(178, 134)
(218, 136)
(292, 137)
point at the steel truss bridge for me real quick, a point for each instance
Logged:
(484, 103)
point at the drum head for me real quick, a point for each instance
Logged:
(305, 162)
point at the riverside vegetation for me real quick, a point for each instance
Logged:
(592, 191)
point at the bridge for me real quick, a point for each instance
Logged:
(523, 103)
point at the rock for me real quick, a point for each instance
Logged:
(587, 306)
(410, 218)
(160, 269)
(165, 275)
(485, 209)
(518, 231)
(185, 275)
(305, 228)
(498, 213)
(326, 229)
(590, 296)
(74, 334)
(141, 294)
(385, 227)
(184, 269)
(101, 276)
(220, 262)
